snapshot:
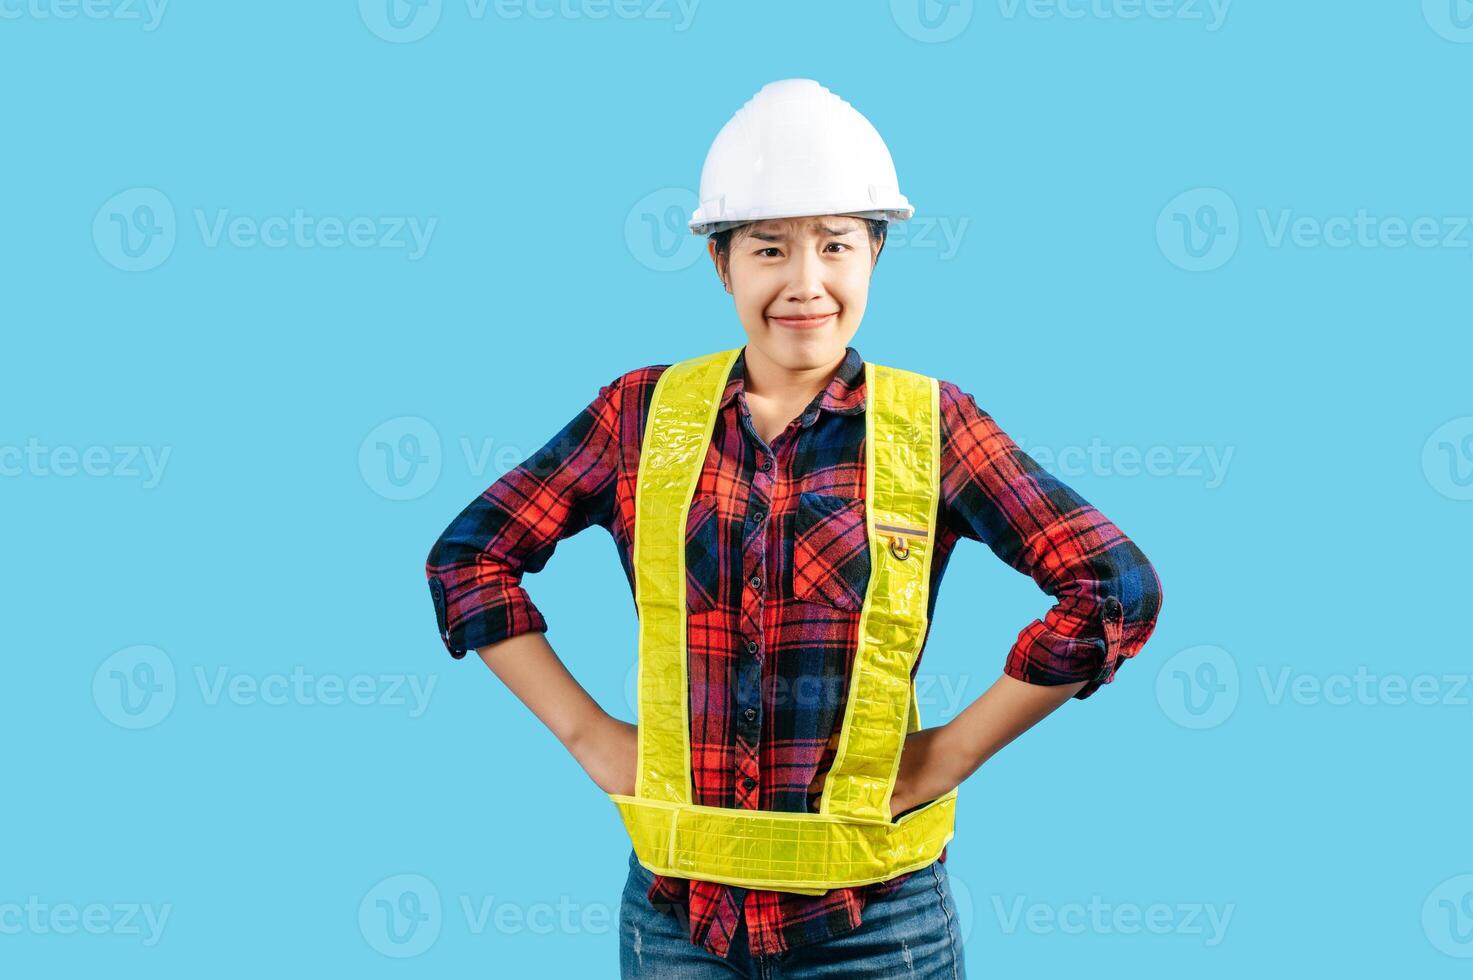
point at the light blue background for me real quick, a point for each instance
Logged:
(1055, 149)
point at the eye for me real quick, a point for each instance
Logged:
(770, 248)
(839, 244)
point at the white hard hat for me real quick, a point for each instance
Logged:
(796, 149)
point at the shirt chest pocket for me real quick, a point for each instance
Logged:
(831, 561)
(702, 554)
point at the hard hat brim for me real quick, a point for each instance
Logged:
(701, 226)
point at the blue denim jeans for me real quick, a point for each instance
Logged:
(911, 933)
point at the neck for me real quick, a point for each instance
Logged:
(768, 380)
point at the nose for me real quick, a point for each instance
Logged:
(807, 281)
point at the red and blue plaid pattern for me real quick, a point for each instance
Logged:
(777, 566)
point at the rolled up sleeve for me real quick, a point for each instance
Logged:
(1107, 593)
(475, 568)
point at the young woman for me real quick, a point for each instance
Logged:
(779, 557)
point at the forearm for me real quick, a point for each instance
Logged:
(1004, 711)
(527, 664)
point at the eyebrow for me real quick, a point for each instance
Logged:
(774, 236)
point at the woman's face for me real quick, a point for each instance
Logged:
(800, 285)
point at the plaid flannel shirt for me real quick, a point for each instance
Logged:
(777, 566)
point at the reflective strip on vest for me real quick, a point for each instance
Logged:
(853, 839)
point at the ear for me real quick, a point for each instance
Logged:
(717, 260)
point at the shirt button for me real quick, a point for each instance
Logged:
(755, 582)
(757, 516)
(751, 646)
(766, 464)
(1112, 608)
(748, 782)
(749, 714)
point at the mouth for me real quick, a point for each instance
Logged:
(804, 322)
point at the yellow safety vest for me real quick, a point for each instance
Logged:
(853, 839)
